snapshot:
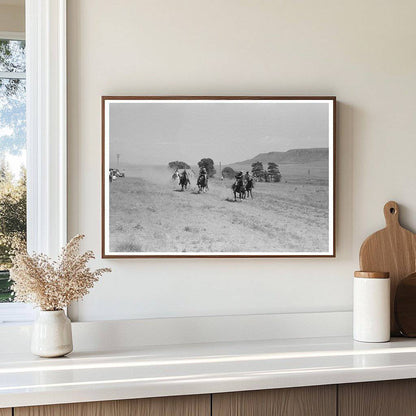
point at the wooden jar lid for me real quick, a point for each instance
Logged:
(372, 275)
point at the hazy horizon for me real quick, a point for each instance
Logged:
(156, 133)
(216, 163)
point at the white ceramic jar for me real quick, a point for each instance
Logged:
(52, 334)
(371, 309)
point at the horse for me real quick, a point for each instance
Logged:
(249, 187)
(239, 188)
(175, 176)
(202, 183)
(112, 175)
(184, 181)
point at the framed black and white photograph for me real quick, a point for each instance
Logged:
(218, 176)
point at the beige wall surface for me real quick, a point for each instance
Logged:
(363, 52)
(12, 18)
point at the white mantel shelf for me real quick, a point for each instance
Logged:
(200, 368)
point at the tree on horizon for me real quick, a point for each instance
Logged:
(258, 171)
(228, 172)
(177, 164)
(273, 172)
(208, 164)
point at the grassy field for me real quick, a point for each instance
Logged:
(149, 213)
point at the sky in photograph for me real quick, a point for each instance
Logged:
(157, 133)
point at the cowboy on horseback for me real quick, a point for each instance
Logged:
(185, 174)
(238, 186)
(239, 177)
(203, 174)
(249, 183)
(176, 176)
(184, 179)
(202, 179)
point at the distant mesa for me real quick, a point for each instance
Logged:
(318, 154)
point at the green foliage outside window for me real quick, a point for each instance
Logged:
(12, 146)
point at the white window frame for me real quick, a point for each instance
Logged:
(12, 36)
(46, 125)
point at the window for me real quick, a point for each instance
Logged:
(12, 163)
(12, 154)
(42, 148)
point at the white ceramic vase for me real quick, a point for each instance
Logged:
(52, 334)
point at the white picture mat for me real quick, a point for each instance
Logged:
(106, 167)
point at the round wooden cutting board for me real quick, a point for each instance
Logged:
(392, 250)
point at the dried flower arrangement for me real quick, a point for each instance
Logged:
(52, 285)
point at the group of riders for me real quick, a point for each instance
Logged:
(242, 187)
(184, 179)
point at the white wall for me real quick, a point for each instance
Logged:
(361, 51)
(12, 17)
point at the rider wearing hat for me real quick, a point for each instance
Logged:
(239, 176)
(203, 177)
(203, 172)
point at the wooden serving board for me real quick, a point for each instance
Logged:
(392, 250)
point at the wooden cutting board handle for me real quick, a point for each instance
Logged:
(391, 214)
(393, 250)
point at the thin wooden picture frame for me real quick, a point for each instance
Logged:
(105, 233)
